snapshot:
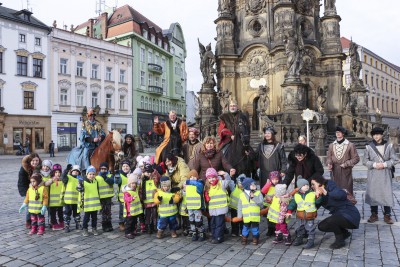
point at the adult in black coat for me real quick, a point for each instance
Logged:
(304, 163)
(344, 214)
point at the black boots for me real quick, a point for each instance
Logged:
(339, 242)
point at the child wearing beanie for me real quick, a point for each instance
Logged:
(167, 201)
(250, 202)
(269, 191)
(37, 201)
(150, 183)
(70, 180)
(56, 203)
(106, 190)
(132, 205)
(121, 179)
(233, 205)
(194, 189)
(91, 200)
(277, 214)
(216, 196)
(304, 202)
(45, 171)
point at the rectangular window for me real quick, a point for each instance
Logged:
(29, 101)
(142, 55)
(150, 79)
(163, 64)
(156, 81)
(79, 68)
(121, 102)
(108, 100)
(142, 75)
(108, 73)
(373, 102)
(95, 98)
(157, 59)
(79, 98)
(94, 72)
(37, 68)
(64, 97)
(39, 138)
(163, 84)
(38, 41)
(145, 34)
(1, 62)
(366, 79)
(150, 57)
(120, 127)
(63, 66)
(153, 38)
(22, 66)
(22, 38)
(121, 76)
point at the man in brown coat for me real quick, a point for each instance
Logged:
(192, 147)
(342, 157)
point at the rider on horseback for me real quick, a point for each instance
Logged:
(91, 136)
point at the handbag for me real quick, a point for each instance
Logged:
(350, 197)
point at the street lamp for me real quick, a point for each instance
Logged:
(308, 115)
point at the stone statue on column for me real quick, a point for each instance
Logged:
(224, 7)
(207, 61)
(321, 99)
(330, 7)
(223, 97)
(263, 101)
(294, 49)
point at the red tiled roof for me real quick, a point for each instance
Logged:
(345, 42)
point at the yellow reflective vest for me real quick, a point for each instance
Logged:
(234, 198)
(273, 212)
(35, 206)
(218, 197)
(183, 206)
(124, 181)
(150, 191)
(91, 197)
(71, 194)
(271, 194)
(136, 205)
(55, 194)
(105, 190)
(165, 209)
(250, 210)
(307, 204)
(193, 199)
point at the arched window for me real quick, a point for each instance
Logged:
(142, 102)
(157, 105)
(146, 103)
(154, 105)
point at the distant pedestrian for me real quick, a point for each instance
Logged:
(379, 157)
(51, 149)
(26, 145)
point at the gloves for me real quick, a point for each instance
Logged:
(80, 178)
(22, 208)
(206, 196)
(117, 178)
(171, 201)
(159, 198)
(43, 210)
(79, 188)
(69, 167)
(175, 189)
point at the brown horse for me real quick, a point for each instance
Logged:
(110, 151)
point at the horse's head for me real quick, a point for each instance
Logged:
(116, 142)
(244, 132)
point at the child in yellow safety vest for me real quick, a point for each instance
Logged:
(269, 191)
(215, 194)
(121, 179)
(250, 202)
(195, 204)
(70, 180)
(91, 200)
(305, 202)
(167, 200)
(277, 214)
(150, 183)
(45, 171)
(106, 181)
(37, 201)
(56, 203)
(233, 205)
(132, 205)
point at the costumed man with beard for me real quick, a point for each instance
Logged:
(192, 148)
(175, 133)
(341, 158)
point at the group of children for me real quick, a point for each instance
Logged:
(149, 204)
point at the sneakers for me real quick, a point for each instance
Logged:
(94, 231)
(85, 232)
(288, 240)
(278, 238)
(57, 227)
(387, 219)
(195, 236)
(41, 230)
(33, 230)
(309, 244)
(130, 236)
(66, 229)
(373, 218)
(202, 236)
(217, 241)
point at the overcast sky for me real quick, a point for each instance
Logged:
(372, 24)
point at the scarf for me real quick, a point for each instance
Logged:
(210, 153)
(341, 141)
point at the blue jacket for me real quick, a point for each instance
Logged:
(337, 204)
(199, 189)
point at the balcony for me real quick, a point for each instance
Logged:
(155, 68)
(155, 90)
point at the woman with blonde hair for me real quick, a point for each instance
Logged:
(211, 157)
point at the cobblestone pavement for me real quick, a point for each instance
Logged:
(370, 245)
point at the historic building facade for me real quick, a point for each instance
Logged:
(382, 81)
(85, 73)
(159, 76)
(24, 90)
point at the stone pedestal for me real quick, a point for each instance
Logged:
(294, 101)
(208, 105)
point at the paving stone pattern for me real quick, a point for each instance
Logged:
(375, 244)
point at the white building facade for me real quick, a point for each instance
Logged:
(88, 73)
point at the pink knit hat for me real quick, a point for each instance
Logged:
(211, 172)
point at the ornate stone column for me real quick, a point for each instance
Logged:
(225, 29)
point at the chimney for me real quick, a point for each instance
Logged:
(90, 33)
(104, 24)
